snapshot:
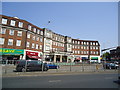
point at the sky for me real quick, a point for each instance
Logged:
(79, 20)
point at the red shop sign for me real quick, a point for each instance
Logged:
(31, 53)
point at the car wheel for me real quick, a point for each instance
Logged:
(45, 69)
(23, 70)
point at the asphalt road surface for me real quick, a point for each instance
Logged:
(62, 81)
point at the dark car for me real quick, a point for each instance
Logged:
(52, 66)
(31, 65)
(111, 66)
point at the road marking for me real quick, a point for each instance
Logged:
(55, 81)
(108, 77)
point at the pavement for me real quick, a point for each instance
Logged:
(49, 73)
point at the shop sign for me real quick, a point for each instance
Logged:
(32, 53)
(6, 51)
(94, 58)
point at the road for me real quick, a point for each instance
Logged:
(62, 81)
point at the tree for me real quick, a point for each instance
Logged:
(106, 56)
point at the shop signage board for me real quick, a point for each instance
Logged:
(6, 51)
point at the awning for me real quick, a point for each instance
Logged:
(94, 58)
(35, 57)
(84, 57)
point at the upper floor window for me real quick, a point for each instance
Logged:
(2, 30)
(37, 38)
(11, 32)
(33, 45)
(12, 23)
(4, 21)
(20, 24)
(2, 40)
(10, 41)
(28, 44)
(41, 32)
(87, 43)
(28, 35)
(19, 33)
(38, 31)
(41, 39)
(36, 46)
(29, 27)
(18, 43)
(33, 37)
(93, 43)
(34, 30)
(96, 43)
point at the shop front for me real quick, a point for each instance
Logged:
(11, 54)
(30, 55)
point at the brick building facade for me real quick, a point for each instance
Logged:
(20, 39)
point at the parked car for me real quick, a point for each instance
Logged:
(52, 66)
(111, 66)
(31, 65)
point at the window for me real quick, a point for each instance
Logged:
(91, 47)
(40, 47)
(41, 39)
(47, 47)
(33, 45)
(4, 21)
(38, 31)
(36, 46)
(97, 52)
(2, 31)
(12, 23)
(2, 40)
(28, 44)
(20, 24)
(10, 41)
(96, 47)
(33, 38)
(37, 38)
(84, 43)
(41, 32)
(29, 27)
(87, 43)
(34, 30)
(96, 43)
(19, 33)
(18, 43)
(78, 42)
(11, 32)
(28, 35)
(91, 43)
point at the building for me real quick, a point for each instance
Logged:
(85, 50)
(115, 54)
(19, 39)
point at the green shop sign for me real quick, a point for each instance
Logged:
(94, 58)
(6, 51)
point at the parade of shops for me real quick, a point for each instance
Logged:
(20, 39)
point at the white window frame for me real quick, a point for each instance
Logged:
(20, 24)
(4, 21)
(3, 31)
(36, 46)
(34, 30)
(38, 31)
(28, 35)
(40, 47)
(12, 23)
(33, 38)
(28, 44)
(19, 33)
(29, 27)
(18, 43)
(10, 41)
(10, 32)
(2, 40)
(33, 45)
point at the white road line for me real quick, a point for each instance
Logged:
(55, 81)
